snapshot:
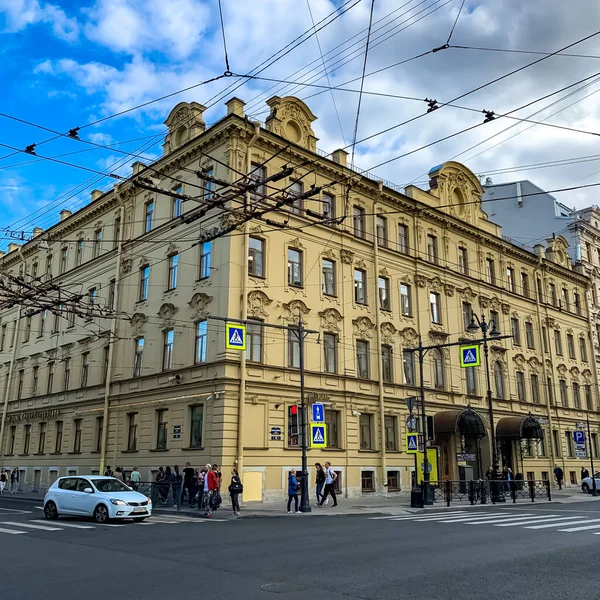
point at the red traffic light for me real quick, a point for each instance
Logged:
(294, 409)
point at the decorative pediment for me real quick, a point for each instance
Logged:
(126, 264)
(296, 243)
(363, 327)
(574, 371)
(534, 365)
(505, 307)
(143, 260)
(329, 253)
(166, 312)
(360, 264)
(184, 122)
(172, 248)
(587, 376)
(347, 257)
(435, 283)
(466, 294)
(291, 119)
(330, 320)
(293, 311)
(420, 281)
(519, 360)
(409, 337)
(448, 289)
(257, 303)
(562, 369)
(484, 301)
(495, 303)
(387, 332)
(199, 304)
(384, 272)
(138, 322)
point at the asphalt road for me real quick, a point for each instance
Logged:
(309, 557)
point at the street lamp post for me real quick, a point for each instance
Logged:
(489, 329)
(594, 489)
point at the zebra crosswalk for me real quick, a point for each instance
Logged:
(12, 527)
(527, 520)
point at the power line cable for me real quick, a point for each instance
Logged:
(521, 51)
(455, 22)
(227, 70)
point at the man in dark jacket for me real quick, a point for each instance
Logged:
(559, 475)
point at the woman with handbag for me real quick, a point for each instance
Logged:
(235, 489)
(293, 489)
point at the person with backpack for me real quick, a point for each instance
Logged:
(235, 489)
(293, 489)
(320, 481)
(212, 486)
(330, 477)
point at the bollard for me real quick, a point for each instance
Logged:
(532, 490)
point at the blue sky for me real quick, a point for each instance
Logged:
(65, 64)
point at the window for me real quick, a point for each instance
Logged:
(20, 383)
(168, 340)
(381, 228)
(173, 268)
(545, 339)
(97, 242)
(595, 445)
(403, 239)
(549, 391)
(540, 290)
(332, 420)
(254, 342)
(43, 316)
(71, 318)
(360, 286)
(197, 418)
(177, 204)
(3, 336)
(294, 267)
(516, 331)
(34, 270)
(64, 259)
(26, 438)
(535, 388)
(467, 314)
(571, 345)
(471, 380)
(366, 430)
(293, 348)
(105, 360)
(577, 302)
(434, 306)
(297, 189)
(144, 282)
(328, 277)
(525, 284)
(149, 215)
(362, 359)
(49, 267)
(558, 342)
(99, 433)
(437, 361)
(393, 481)
(35, 379)
(26, 333)
(570, 449)
(529, 335)
(112, 285)
(391, 435)
(11, 440)
(85, 368)
(553, 296)
(463, 261)
(42, 438)
(521, 395)
(77, 435)
(131, 432)
(330, 352)
(556, 442)
(387, 364)
(588, 397)
(490, 272)
(205, 259)
(66, 374)
(58, 435)
(209, 185)
(50, 383)
(161, 429)
(92, 296)
(328, 206)
(256, 251)
(564, 305)
(564, 396)
(576, 395)
(201, 340)
(383, 287)
(257, 176)
(359, 221)
(499, 380)
(408, 367)
(432, 249)
(367, 481)
(116, 232)
(405, 300)
(510, 278)
(583, 349)
(138, 356)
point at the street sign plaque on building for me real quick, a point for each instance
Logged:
(579, 437)
(469, 356)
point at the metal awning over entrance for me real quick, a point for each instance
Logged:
(466, 422)
(526, 428)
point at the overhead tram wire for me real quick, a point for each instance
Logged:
(227, 69)
(454, 25)
(513, 51)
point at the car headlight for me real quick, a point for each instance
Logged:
(118, 502)
(149, 501)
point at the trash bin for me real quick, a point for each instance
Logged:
(416, 497)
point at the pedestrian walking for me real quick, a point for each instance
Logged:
(188, 484)
(176, 480)
(584, 473)
(559, 476)
(235, 489)
(3, 480)
(135, 479)
(108, 471)
(14, 481)
(203, 487)
(293, 489)
(118, 474)
(212, 486)
(319, 481)
(330, 477)
(489, 474)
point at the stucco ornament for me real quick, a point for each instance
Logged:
(138, 323)
(257, 303)
(199, 304)
(331, 320)
(363, 327)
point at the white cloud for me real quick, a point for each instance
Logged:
(21, 13)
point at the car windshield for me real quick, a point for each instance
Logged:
(110, 485)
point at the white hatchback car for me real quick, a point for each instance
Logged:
(587, 485)
(101, 498)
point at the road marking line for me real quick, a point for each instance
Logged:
(584, 528)
(145, 523)
(109, 525)
(413, 517)
(421, 515)
(162, 521)
(538, 520)
(178, 518)
(12, 531)
(15, 510)
(30, 526)
(463, 515)
(577, 522)
(504, 520)
(39, 507)
(66, 524)
(489, 517)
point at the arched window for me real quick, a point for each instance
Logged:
(499, 380)
(438, 369)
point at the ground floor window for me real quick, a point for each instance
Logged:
(530, 475)
(368, 481)
(573, 477)
(545, 475)
(393, 481)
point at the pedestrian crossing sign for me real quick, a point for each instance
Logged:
(469, 356)
(412, 442)
(318, 435)
(236, 336)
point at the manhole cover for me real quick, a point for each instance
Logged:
(282, 588)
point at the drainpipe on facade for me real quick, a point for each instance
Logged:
(244, 315)
(378, 328)
(111, 349)
(592, 352)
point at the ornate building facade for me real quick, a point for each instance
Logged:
(367, 266)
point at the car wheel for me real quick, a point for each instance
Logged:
(585, 488)
(50, 511)
(101, 514)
